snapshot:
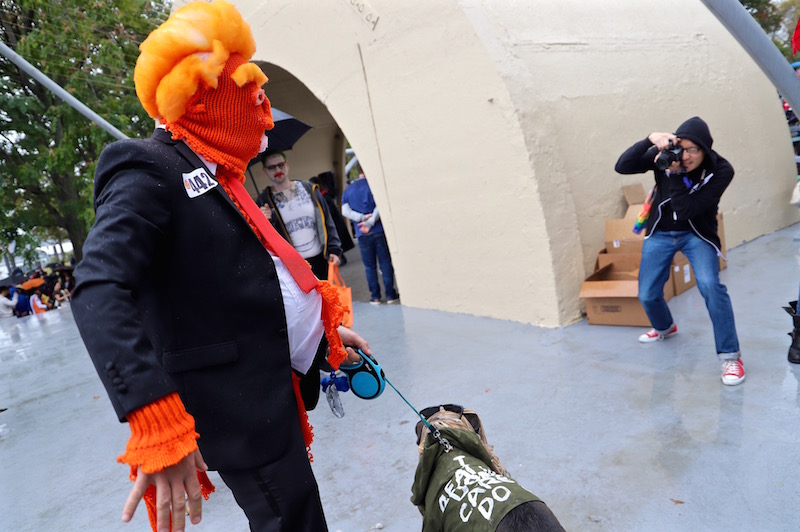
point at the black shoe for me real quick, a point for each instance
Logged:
(794, 349)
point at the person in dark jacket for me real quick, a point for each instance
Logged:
(300, 213)
(204, 386)
(327, 186)
(690, 178)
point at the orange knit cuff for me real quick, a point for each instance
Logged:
(162, 434)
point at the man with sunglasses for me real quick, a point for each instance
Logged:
(690, 178)
(298, 210)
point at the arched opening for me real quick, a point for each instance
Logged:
(320, 150)
(321, 153)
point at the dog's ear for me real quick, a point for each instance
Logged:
(475, 422)
(418, 429)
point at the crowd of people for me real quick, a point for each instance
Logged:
(44, 289)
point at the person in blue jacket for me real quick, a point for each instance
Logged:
(359, 206)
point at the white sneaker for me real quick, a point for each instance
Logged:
(732, 372)
(654, 336)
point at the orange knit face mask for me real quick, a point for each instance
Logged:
(226, 124)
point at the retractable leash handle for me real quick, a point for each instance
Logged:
(367, 381)
(366, 377)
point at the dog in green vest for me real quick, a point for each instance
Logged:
(460, 484)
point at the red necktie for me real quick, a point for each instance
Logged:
(296, 264)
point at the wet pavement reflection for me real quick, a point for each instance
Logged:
(612, 434)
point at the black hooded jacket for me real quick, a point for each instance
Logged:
(692, 197)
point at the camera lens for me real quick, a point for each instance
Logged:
(664, 160)
(668, 156)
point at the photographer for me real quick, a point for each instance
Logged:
(689, 180)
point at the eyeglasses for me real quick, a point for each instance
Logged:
(471, 417)
(273, 167)
(692, 151)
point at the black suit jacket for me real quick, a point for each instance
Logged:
(176, 293)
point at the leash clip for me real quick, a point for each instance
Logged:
(442, 440)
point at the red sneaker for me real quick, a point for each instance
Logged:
(732, 372)
(654, 336)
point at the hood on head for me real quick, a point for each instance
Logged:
(696, 130)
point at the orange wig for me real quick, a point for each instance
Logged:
(192, 46)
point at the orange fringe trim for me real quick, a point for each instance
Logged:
(332, 314)
(305, 425)
(206, 489)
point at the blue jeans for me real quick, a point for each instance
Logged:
(374, 251)
(657, 253)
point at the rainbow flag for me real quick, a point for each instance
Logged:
(644, 214)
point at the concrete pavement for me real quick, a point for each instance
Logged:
(614, 435)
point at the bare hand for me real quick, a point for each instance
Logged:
(367, 216)
(661, 140)
(363, 228)
(267, 211)
(351, 339)
(334, 259)
(173, 485)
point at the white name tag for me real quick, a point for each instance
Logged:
(198, 182)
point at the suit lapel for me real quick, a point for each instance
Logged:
(197, 162)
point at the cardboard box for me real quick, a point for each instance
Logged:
(611, 296)
(620, 237)
(624, 250)
(682, 274)
(634, 194)
(633, 212)
(624, 261)
(721, 232)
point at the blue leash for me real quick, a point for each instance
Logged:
(436, 434)
(366, 379)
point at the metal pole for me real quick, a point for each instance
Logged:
(350, 164)
(56, 89)
(760, 47)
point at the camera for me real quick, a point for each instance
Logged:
(668, 156)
